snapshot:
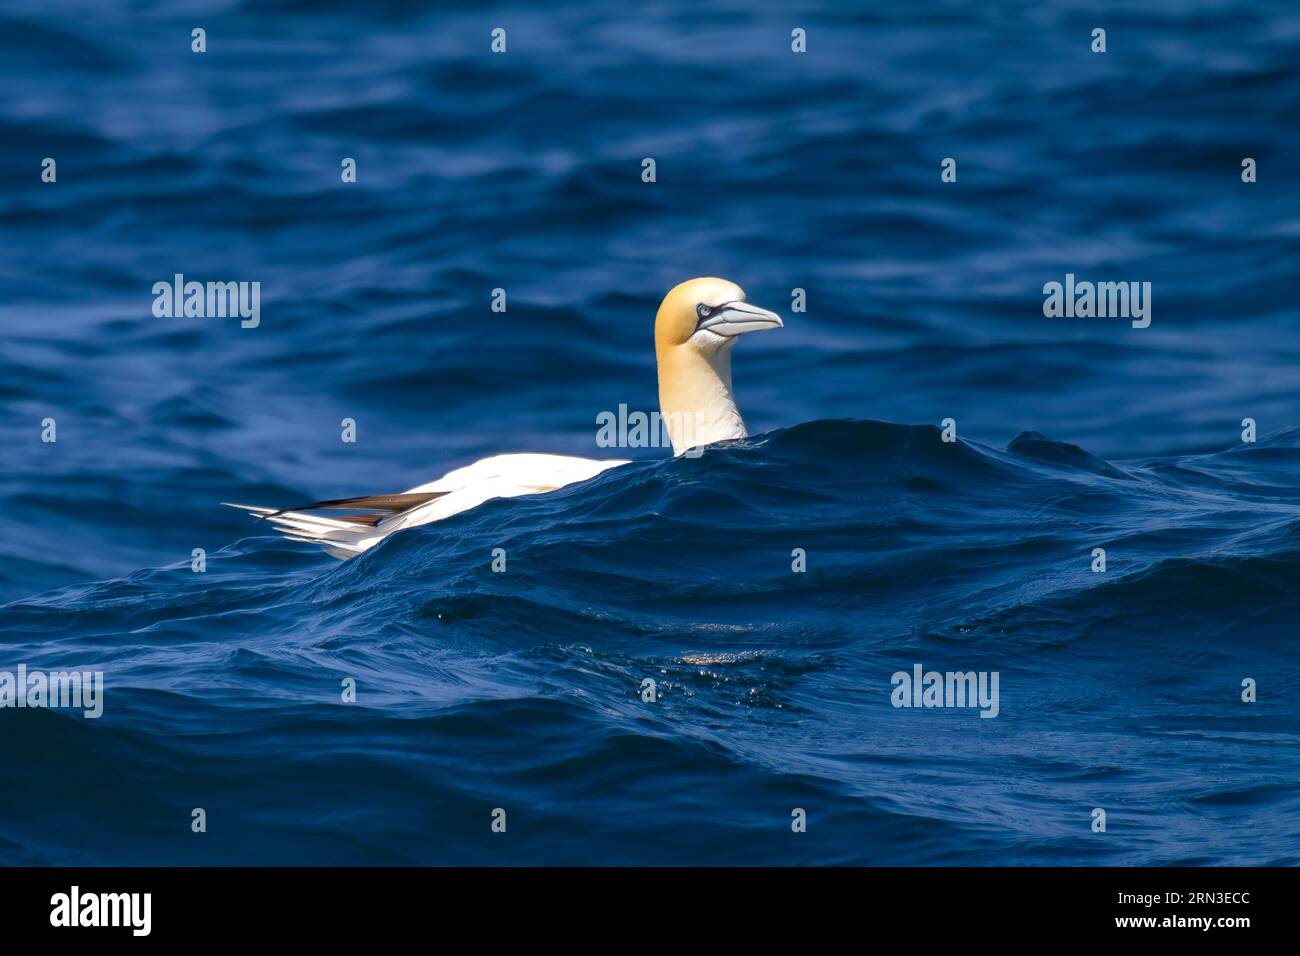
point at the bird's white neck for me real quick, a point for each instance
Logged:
(695, 397)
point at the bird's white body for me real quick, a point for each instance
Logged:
(695, 328)
(501, 476)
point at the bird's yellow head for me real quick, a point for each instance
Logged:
(707, 314)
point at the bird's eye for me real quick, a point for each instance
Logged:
(703, 311)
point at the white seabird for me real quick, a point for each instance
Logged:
(695, 328)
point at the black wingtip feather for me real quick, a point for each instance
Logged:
(393, 504)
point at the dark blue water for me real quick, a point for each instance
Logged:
(1119, 690)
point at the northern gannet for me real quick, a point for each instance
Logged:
(697, 324)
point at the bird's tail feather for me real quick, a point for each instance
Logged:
(341, 535)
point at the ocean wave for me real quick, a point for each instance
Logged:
(772, 686)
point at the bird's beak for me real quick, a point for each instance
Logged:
(737, 318)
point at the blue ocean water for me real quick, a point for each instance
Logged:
(1118, 690)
